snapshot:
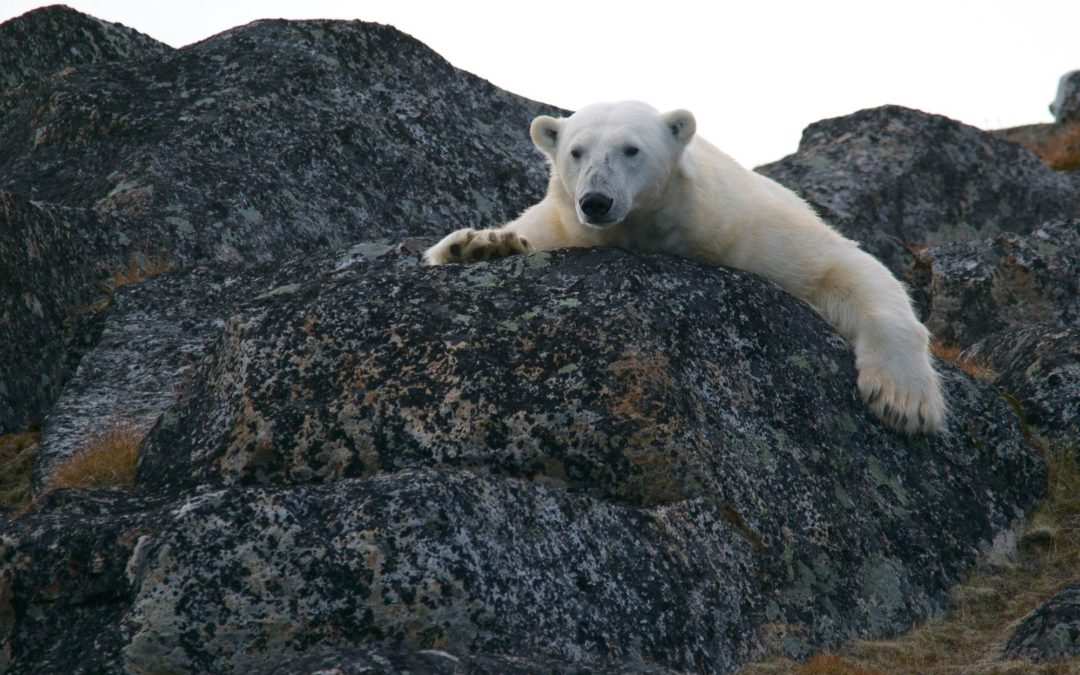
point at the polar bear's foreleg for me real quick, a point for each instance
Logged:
(868, 306)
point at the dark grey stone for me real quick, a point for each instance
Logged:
(268, 141)
(1039, 366)
(75, 40)
(970, 290)
(900, 180)
(1050, 632)
(1066, 105)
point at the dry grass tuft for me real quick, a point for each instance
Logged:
(1061, 148)
(140, 266)
(108, 460)
(973, 367)
(17, 453)
(1057, 145)
(831, 663)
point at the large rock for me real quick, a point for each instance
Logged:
(49, 39)
(270, 140)
(1050, 632)
(1038, 365)
(514, 458)
(64, 584)
(899, 180)
(1066, 105)
(970, 290)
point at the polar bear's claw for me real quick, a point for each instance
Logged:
(910, 402)
(468, 245)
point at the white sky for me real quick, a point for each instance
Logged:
(754, 73)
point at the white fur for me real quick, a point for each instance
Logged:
(679, 194)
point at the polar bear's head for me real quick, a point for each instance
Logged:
(614, 159)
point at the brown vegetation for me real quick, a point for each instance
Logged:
(973, 367)
(108, 460)
(140, 266)
(1057, 145)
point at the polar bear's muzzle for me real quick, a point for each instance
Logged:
(595, 207)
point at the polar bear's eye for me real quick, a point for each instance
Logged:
(630, 151)
(575, 153)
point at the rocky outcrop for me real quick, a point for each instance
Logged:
(900, 180)
(525, 458)
(970, 290)
(275, 138)
(1050, 632)
(1039, 366)
(573, 461)
(1066, 105)
(267, 141)
(152, 335)
(75, 40)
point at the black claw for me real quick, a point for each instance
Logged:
(455, 250)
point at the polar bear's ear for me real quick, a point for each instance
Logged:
(681, 124)
(545, 133)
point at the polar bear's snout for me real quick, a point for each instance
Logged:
(595, 205)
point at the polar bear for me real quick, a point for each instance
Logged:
(623, 174)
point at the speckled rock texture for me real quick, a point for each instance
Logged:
(1039, 366)
(970, 290)
(1051, 631)
(275, 138)
(899, 180)
(434, 662)
(1066, 105)
(585, 457)
(77, 40)
(650, 398)
(48, 317)
(64, 584)
(153, 333)
(271, 140)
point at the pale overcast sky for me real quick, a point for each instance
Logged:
(754, 73)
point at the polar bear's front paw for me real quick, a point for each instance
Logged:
(907, 400)
(469, 245)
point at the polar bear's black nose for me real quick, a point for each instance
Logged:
(595, 205)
